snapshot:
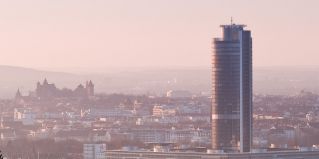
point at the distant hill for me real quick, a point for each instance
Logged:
(25, 79)
(267, 80)
(286, 80)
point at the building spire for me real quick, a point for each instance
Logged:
(231, 20)
(18, 94)
(45, 82)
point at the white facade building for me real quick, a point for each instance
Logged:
(25, 115)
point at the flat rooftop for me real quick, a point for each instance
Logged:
(194, 155)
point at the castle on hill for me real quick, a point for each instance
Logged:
(49, 91)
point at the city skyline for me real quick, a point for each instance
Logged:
(107, 34)
(159, 79)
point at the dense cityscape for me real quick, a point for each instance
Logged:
(179, 121)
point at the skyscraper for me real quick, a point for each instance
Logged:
(232, 90)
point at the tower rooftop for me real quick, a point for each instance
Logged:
(233, 26)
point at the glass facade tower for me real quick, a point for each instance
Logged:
(232, 90)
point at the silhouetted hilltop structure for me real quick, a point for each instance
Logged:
(48, 90)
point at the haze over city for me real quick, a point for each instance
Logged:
(79, 35)
(182, 79)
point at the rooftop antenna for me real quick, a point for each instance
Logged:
(231, 20)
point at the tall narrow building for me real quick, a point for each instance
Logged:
(232, 90)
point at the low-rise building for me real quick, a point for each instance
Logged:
(94, 151)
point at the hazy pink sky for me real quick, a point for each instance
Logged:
(139, 33)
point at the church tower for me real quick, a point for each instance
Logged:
(89, 88)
